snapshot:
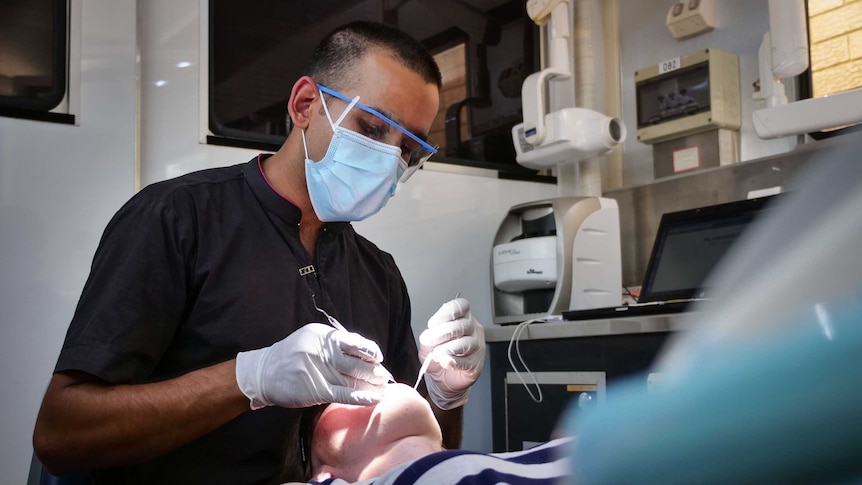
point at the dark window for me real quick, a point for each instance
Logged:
(485, 48)
(33, 56)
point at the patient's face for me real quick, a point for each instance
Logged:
(359, 442)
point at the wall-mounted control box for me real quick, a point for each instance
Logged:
(686, 95)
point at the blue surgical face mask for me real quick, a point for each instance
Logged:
(355, 178)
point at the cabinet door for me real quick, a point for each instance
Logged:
(518, 421)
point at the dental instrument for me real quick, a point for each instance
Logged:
(424, 368)
(332, 321)
(366, 356)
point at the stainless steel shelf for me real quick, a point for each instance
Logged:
(593, 328)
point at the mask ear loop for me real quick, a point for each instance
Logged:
(329, 117)
(343, 114)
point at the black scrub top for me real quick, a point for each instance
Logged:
(191, 271)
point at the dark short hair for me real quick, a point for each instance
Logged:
(333, 61)
(296, 458)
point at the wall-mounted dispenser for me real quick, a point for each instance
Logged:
(554, 255)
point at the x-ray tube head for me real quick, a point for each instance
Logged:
(572, 134)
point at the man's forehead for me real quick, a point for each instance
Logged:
(385, 84)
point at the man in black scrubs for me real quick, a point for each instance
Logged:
(192, 349)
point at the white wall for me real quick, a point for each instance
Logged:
(171, 113)
(59, 185)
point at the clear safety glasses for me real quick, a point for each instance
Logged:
(414, 150)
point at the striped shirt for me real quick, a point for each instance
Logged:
(543, 464)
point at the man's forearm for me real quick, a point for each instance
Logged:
(85, 423)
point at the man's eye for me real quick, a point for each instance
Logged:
(406, 151)
(372, 131)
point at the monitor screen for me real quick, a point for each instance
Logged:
(689, 253)
(689, 244)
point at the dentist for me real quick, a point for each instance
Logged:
(191, 351)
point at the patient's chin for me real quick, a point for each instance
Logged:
(365, 440)
(402, 408)
(397, 388)
(400, 403)
(400, 393)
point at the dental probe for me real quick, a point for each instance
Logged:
(338, 326)
(332, 321)
(424, 368)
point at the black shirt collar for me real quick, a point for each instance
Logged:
(272, 200)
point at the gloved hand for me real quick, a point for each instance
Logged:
(314, 365)
(457, 344)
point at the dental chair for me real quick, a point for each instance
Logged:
(766, 386)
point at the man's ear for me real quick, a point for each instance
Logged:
(302, 97)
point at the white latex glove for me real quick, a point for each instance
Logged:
(314, 365)
(456, 342)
